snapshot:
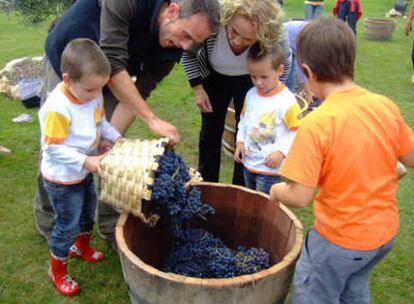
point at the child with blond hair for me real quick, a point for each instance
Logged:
(268, 120)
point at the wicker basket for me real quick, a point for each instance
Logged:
(128, 173)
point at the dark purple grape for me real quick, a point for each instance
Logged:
(195, 252)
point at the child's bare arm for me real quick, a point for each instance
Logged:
(401, 170)
(292, 194)
(408, 159)
(238, 154)
(93, 164)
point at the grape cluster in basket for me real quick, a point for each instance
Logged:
(195, 252)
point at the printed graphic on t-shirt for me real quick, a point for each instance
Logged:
(262, 134)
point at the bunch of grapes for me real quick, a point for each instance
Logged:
(195, 252)
(168, 191)
(250, 260)
(199, 254)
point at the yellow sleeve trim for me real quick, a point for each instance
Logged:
(291, 118)
(56, 128)
(99, 114)
(53, 141)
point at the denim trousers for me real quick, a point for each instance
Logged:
(260, 182)
(345, 14)
(74, 207)
(313, 11)
(330, 274)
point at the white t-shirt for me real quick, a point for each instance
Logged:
(70, 131)
(267, 124)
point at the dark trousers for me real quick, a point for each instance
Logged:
(345, 14)
(221, 90)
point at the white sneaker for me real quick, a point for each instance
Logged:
(23, 118)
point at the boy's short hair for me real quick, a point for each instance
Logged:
(82, 57)
(256, 53)
(328, 47)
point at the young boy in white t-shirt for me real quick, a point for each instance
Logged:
(72, 123)
(268, 120)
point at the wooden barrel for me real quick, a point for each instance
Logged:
(378, 29)
(243, 217)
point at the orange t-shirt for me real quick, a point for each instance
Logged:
(349, 148)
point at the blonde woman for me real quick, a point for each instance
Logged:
(217, 72)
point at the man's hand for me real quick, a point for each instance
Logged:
(202, 100)
(93, 164)
(274, 159)
(132, 104)
(239, 152)
(164, 129)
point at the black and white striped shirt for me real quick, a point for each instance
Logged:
(197, 66)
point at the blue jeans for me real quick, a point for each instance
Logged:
(260, 182)
(345, 14)
(327, 273)
(313, 11)
(74, 207)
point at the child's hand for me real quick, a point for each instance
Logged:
(274, 159)
(105, 145)
(239, 152)
(93, 164)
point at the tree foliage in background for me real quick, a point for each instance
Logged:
(6, 5)
(35, 11)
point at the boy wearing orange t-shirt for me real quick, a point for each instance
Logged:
(348, 149)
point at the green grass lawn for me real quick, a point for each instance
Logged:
(383, 67)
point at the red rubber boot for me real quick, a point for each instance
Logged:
(58, 275)
(82, 249)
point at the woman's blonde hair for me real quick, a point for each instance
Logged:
(266, 14)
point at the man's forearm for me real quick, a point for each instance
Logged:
(128, 95)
